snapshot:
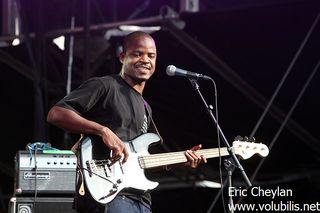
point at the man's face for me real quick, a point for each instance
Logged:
(139, 59)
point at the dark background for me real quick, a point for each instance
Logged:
(246, 46)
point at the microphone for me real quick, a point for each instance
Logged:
(172, 70)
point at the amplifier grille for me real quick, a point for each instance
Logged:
(41, 204)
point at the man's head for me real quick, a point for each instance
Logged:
(138, 57)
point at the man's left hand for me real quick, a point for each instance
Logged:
(195, 159)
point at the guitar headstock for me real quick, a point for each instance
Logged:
(248, 149)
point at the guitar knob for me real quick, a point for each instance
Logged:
(113, 190)
(119, 181)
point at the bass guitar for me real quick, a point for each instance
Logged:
(105, 180)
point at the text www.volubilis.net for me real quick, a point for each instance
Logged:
(282, 206)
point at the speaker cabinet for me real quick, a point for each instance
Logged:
(41, 205)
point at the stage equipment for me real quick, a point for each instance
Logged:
(47, 172)
(173, 70)
(41, 204)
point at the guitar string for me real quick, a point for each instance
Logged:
(161, 159)
(177, 157)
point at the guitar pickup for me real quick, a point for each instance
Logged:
(107, 168)
(91, 167)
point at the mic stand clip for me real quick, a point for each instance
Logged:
(228, 164)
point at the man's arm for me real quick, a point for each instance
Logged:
(75, 123)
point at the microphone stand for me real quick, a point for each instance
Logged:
(229, 148)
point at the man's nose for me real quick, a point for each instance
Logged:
(144, 58)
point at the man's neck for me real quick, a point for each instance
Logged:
(138, 86)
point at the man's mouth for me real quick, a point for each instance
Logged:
(143, 66)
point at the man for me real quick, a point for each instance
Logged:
(112, 109)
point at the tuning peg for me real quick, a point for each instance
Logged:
(238, 138)
(245, 138)
(252, 139)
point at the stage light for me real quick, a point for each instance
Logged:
(60, 41)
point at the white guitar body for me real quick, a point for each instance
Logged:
(105, 182)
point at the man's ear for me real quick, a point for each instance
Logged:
(121, 57)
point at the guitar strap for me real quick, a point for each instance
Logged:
(79, 176)
(153, 125)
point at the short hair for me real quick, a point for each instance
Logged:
(131, 36)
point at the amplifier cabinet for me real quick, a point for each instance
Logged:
(41, 205)
(44, 173)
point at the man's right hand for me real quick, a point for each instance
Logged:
(117, 147)
(75, 123)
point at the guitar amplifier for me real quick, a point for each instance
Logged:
(40, 205)
(45, 172)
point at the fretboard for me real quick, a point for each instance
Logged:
(163, 159)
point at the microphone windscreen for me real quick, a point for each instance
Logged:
(171, 70)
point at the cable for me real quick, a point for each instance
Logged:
(288, 116)
(35, 181)
(219, 146)
(37, 146)
(285, 75)
(315, 22)
(285, 120)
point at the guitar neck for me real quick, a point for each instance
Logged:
(163, 159)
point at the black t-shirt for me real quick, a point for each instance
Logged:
(113, 103)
